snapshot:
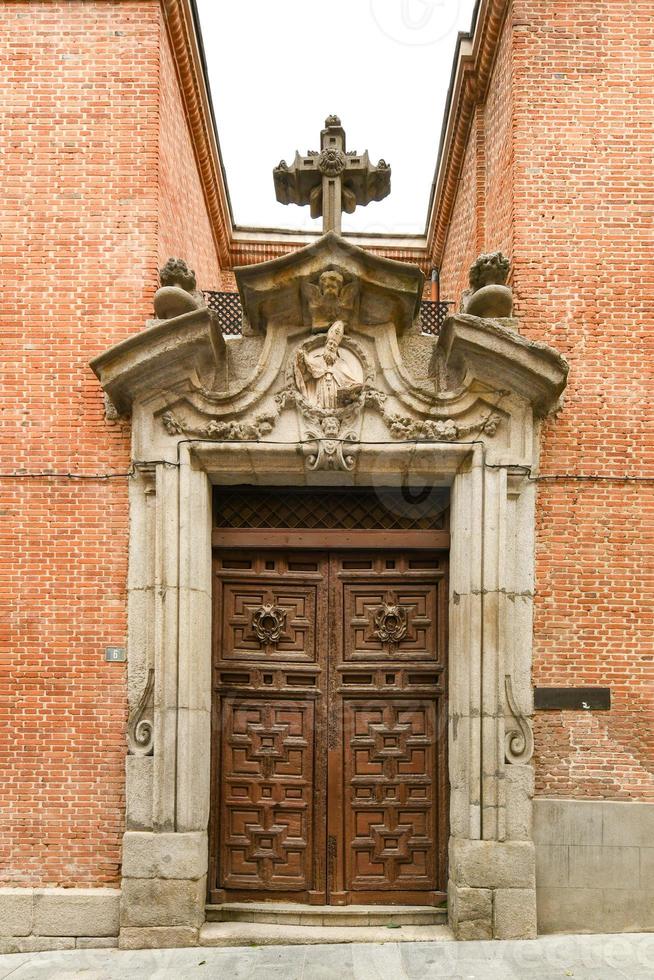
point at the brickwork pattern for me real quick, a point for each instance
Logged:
(569, 191)
(82, 240)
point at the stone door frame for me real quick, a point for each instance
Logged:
(491, 887)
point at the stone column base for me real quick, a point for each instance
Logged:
(163, 890)
(158, 937)
(492, 889)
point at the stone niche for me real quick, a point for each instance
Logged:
(271, 408)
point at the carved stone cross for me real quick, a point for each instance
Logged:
(332, 180)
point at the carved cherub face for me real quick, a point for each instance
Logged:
(331, 283)
(330, 427)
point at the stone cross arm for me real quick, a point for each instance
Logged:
(333, 179)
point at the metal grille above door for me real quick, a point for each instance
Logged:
(370, 508)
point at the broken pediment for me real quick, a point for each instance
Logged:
(364, 288)
(323, 368)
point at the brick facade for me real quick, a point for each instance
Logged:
(93, 134)
(567, 193)
(557, 173)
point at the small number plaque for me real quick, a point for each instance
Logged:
(115, 654)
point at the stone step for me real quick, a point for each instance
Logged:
(265, 934)
(328, 916)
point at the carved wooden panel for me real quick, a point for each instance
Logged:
(329, 767)
(391, 620)
(244, 612)
(389, 795)
(267, 778)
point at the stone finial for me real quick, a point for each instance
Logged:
(489, 295)
(178, 293)
(333, 179)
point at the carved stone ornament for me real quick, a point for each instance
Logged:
(329, 377)
(268, 623)
(489, 296)
(178, 293)
(518, 743)
(229, 430)
(330, 298)
(331, 162)
(331, 450)
(390, 622)
(140, 726)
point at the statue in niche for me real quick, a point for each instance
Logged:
(331, 300)
(329, 377)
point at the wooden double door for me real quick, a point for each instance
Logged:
(329, 727)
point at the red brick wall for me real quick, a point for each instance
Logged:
(85, 226)
(184, 226)
(569, 192)
(461, 245)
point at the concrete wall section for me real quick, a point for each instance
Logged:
(594, 865)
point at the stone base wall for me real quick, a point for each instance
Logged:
(36, 919)
(594, 865)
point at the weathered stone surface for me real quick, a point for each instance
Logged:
(551, 865)
(519, 792)
(568, 821)
(332, 181)
(166, 937)
(76, 911)
(492, 864)
(491, 301)
(470, 912)
(514, 913)
(16, 911)
(34, 944)
(501, 356)
(630, 822)
(597, 866)
(570, 910)
(96, 942)
(155, 902)
(148, 855)
(138, 778)
(178, 293)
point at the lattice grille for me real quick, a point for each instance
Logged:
(433, 316)
(228, 308)
(379, 508)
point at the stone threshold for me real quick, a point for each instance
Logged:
(267, 934)
(328, 916)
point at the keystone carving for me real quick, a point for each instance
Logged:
(331, 450)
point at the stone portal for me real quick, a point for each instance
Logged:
(271, 408)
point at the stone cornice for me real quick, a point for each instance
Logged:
(471, 77)
(180, 24)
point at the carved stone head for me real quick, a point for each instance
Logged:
(331, 283)
(177, 273)
(490, 268)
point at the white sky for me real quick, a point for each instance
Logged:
(277, 68)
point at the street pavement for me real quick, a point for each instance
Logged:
(614, 957)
